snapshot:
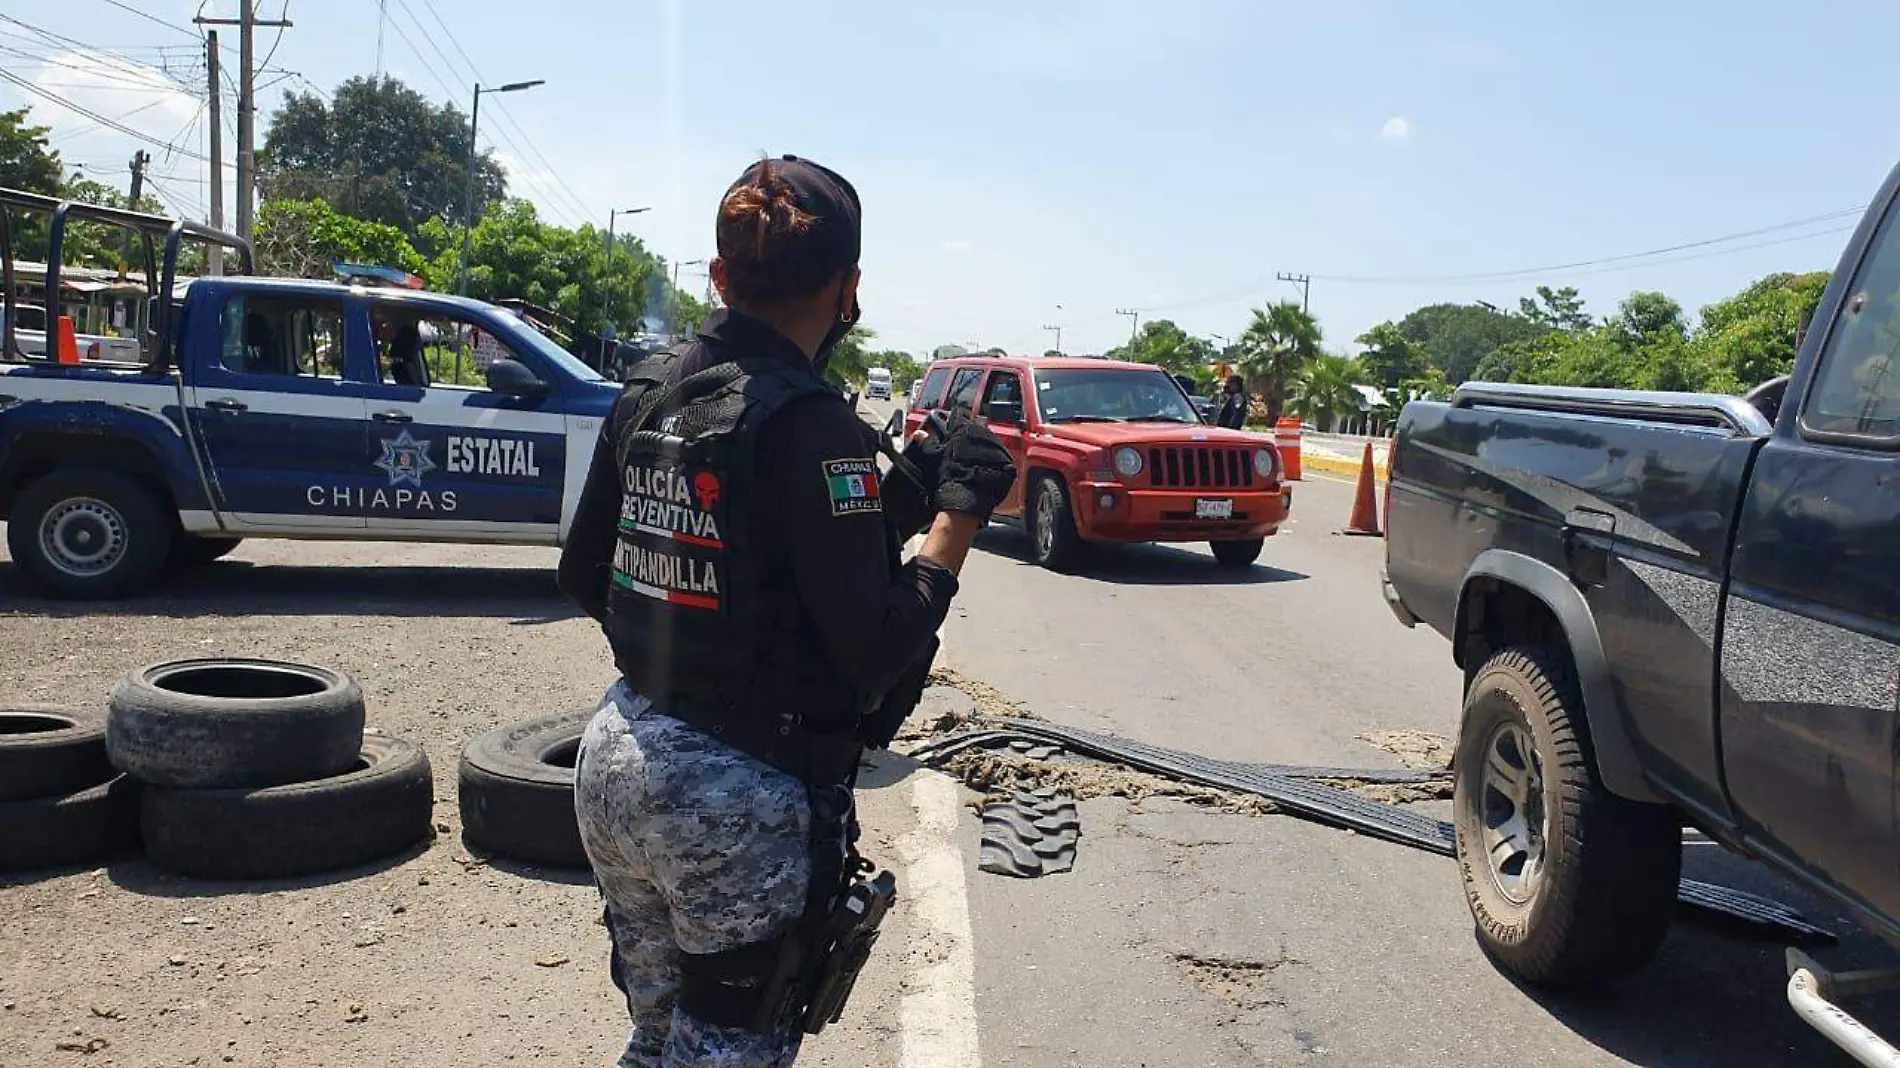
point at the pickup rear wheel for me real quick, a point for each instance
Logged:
(87, 533)
(1568, 883)
(1052, 530)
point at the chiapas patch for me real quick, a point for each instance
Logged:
(853, 486)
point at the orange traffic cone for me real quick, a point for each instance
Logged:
(1365, 508)
(66, 345)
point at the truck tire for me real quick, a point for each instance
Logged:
(1237, 553)
(516, 791)
(206, 724)
(86, 533)
(1568, 884)
(374, 810)
(1052, 534)
(80, 827)
(46, 751)
(197, 550)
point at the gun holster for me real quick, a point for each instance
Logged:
(802, 978)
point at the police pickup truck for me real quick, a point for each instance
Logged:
(286, 408)
(1672, 608)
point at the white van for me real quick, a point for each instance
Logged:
(877, 384)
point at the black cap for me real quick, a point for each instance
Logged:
(835, 239)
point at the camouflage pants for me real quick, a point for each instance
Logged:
(697, 848)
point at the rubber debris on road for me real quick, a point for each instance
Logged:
(1031, 835)
(1738, 911)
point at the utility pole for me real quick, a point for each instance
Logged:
(1058, 333)
(247, 23)
(1134, 326)
(382, 21)
(140, 160)
(1304, 281)
(214, 254)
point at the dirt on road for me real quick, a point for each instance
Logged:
(432, 959)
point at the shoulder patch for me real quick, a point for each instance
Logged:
(852, 484)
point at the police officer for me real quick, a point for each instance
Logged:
(1233, 407)
(741, 550)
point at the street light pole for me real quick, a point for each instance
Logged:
(612, 213)
(468, 203)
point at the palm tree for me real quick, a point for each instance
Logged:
(1281, 339)
(1324, 390)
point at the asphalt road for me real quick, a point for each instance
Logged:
(1190, 936)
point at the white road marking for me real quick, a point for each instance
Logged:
(937, 1018)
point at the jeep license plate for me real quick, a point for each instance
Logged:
(1206, 508)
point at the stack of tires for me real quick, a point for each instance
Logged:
(261, 769)
(61, 803)
(516, 791)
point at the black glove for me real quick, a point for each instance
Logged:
(977, 471)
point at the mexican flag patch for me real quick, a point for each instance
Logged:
(853, 486)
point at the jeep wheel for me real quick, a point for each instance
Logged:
(1052, 526)
(1237, 553)
(86, 533)
(1568, 883)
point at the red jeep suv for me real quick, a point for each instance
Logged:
(1108, 451)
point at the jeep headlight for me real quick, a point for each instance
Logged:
(1263, 461)
(1127, 462)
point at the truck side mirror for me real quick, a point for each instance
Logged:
(511, 378)
(1006, 412)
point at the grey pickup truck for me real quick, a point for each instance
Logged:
(1670, 609)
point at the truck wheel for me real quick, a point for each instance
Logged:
(86, 533)
(196, 550)
(1052, 526)
(377, 809)
(46, 751)
(233, 723)
(1237, 553)
(516, 791)
(1568, 883)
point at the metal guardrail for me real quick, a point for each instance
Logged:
(1691, 409)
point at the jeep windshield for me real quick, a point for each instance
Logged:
(1108, 395)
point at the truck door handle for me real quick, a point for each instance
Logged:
(226, 404)
(393, 417)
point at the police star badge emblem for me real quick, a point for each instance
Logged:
(405, 460)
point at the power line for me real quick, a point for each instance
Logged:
(573, 200)
(153, 19)
(96, 117)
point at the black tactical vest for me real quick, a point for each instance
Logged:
(699, 624)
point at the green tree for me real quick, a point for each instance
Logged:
(1454, 337)
(27, 160)
(1648, 317)
(307, 238)
(850, 358)
(95, 244)
(1753, 336)
(1324, 390)
(1390, 358)
(1170, 348)
(1555, 309)
(377, 150)
(1281, 339)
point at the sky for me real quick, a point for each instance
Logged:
(1025, 166)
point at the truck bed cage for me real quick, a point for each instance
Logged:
(161, 271)
(1689, 409)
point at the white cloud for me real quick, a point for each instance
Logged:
(1396, 128)
(956, 245)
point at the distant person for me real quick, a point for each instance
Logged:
(1233, 405)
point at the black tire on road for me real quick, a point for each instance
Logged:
(81, 827)
(88, 534)
(1568, 884)
(197, 550)
(1237, 553)
(47, 751)
(516, 791)
(1052, 534)
(377, 809)
(207, 724)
